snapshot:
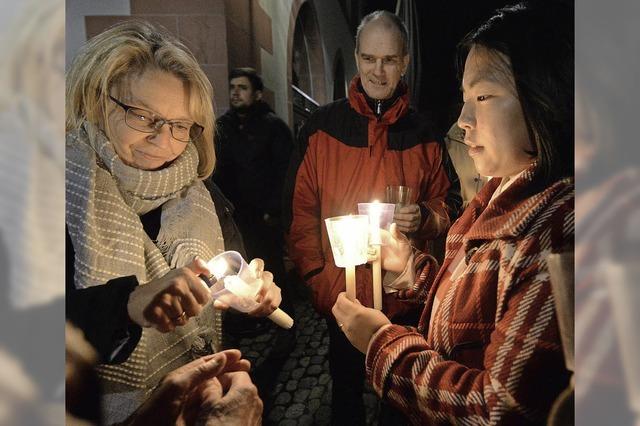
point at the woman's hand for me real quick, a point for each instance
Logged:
(357, 322)
(268, 297)
(169, 301)
(395, 249)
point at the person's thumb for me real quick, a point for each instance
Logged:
(257, 267)
(198, 266)
(393, 229)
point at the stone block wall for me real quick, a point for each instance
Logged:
(199, 24)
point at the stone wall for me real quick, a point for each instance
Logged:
(200, 24)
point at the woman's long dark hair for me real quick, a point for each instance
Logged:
(538, 40)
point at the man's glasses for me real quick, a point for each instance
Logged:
(145, 121)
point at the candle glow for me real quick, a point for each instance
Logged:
(349, 237)
(218, 267)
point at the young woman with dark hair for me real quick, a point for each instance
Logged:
(487, 349)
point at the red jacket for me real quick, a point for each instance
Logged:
(493, 353)
(347, 155)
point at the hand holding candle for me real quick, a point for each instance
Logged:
(359, 323)
(246, 288)
(395, 250)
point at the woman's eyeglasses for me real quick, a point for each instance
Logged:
(146, 121)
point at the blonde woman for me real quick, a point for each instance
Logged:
(139, 124)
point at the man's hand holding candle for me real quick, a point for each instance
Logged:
(357, 322)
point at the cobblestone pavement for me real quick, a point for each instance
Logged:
(296, 388)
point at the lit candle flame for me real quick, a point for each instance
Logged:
(219, 268)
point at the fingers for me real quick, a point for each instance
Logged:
(186, 302)
(160, 320)
(192, 374)
(267, 279)
(240, 365)
(267, 283)
(395, 233)
(257, 267)
(269, 303)
(163, 311)
(240, 403)
(234, 361)
(235, 380)
(269, 296)
(372, 252)
(200, 291)
(408, 218)
(410, 209)
(198, 286)
(220, 305)
(198, 266)
(342, 307)
(182, 299)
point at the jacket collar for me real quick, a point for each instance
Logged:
(511, 213)
(358, 101)
(258, 108)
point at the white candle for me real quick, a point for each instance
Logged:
(350, 272)
(374, 221)
(377, 279)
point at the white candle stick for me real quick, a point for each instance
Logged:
(377, 279)
(281, 318)
(350, 272)
(374, 221)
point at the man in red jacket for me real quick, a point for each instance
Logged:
(348, 152)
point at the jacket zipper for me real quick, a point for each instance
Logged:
(378, 105)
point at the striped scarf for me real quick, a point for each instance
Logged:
(104, 201)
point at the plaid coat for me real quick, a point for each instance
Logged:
(493, 355)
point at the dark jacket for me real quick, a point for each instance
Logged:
(101, 311)
(252, 158)
(224, 210)
(346, 155)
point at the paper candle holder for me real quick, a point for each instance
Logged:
(349, 238)
(384, 218)
(235, 284)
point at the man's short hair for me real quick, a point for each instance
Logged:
(391, 20)
(251, 74)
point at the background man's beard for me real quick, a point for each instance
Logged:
(240, 108)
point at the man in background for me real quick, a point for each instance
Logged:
(253, 146)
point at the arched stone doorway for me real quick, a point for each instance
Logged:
(305, 64)
(339, 80)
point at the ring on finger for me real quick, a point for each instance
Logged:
(180, 317)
